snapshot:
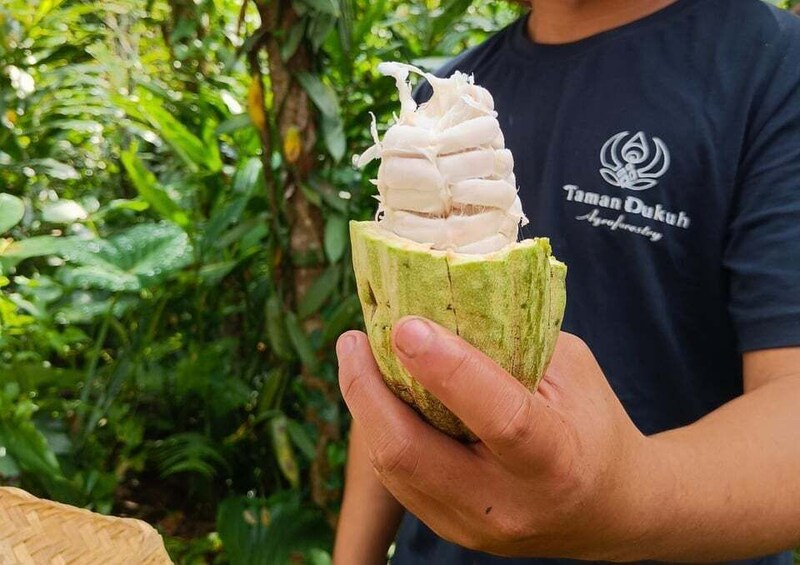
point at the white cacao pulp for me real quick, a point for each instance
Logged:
(444, 246)
(446, 179)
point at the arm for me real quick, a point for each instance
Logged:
(565, 473)
(734, 476)
(370, 515)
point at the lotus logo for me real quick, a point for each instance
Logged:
(633, 162)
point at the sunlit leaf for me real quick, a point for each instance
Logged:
(255, 104)
(12, 209)
(55, 169)
(292, 144)
(63, 212)
(38, 246)
(186, 144)
(130, 260)
(150, 190)
(284, 453)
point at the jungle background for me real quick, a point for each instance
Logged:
(175, 187)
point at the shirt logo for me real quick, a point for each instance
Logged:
(633, 162)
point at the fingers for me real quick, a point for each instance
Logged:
(493, 404)
(403, 449)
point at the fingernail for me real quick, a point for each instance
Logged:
(413, 337)
(345, 345)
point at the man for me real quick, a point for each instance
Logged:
(657, 144)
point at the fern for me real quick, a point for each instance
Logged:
(188, 453)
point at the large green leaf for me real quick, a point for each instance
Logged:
(130, 260)
(28, 447)
(452, 10)
(55, 169)
(323, 96)
(294, 37)
(188, 452)
(319, 292)
(319, 28)
(37, 246)
(187, 145)
(301, 343)
(12, 210)
(247, 180)
(301, 438)
(277, 335)
(283, 450)
(330, 7)
(150, 190)
(335, 237)
(255, 531)
(333, 134)
(344, 317)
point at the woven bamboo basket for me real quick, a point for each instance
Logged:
(41, 532)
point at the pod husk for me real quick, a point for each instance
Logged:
(508, 304)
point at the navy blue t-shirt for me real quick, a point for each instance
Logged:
(662, 159)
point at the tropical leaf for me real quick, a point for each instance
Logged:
(130, 260)
(301, 439)
(12, 210)
(63, 212)
(334, 136)
(187, 145)
(37, 246)
(319, 292)
(277, 335)
(255, 531)
(344, 317)
(323, 96)
(323, 6)
(284, 453)
(149, 189)
(20, 438)
(188, 453)
(336, 238)
(302, 345)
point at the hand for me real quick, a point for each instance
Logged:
(562, 472)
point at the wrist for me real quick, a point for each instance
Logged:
(645, 495)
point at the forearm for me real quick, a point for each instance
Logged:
(370, 515)
(725, 487)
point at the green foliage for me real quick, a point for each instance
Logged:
(271, 531)
(157, 356)
(12, 210)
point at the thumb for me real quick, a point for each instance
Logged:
(513, 423)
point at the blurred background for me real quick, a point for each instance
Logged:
(175, 187)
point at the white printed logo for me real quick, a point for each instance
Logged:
(633, 164)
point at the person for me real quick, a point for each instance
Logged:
(657, 145)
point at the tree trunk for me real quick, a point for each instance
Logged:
(295, 116)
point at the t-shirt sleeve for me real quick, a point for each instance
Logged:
(762, 252)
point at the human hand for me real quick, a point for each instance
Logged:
(562, 472)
